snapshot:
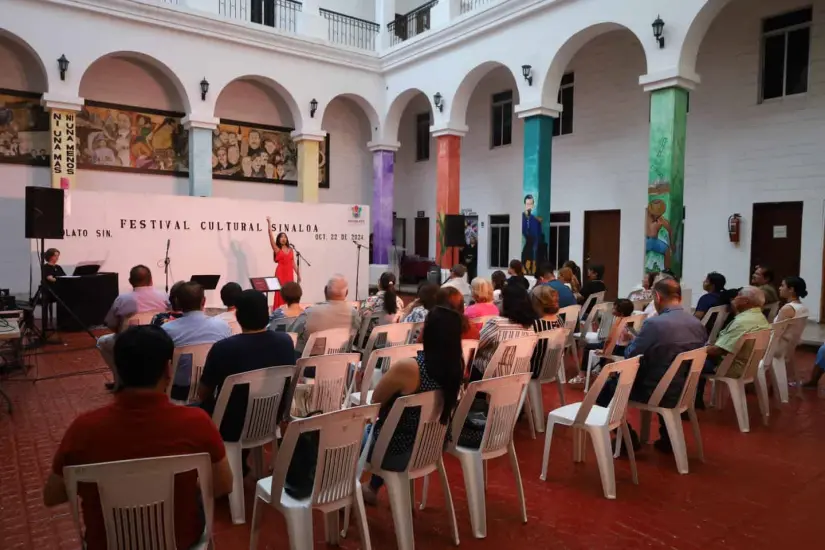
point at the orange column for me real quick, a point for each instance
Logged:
(448, 175)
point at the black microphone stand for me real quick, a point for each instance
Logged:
(299, 256)
(166, 262)
(358, 248)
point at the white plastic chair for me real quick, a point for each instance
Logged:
(785, 356)
(329, 388)
(481, 321)
(335, 484)
(137, 498)
(587, 306)
(468, 351)
(589, 418)
(614, 333)
(198, 353)
(736, 386)
(415, 332)
(139, 319)
(325, 342)
(672, 416)
(640, 305)
(770, 311)
(504, 397)
(371, 375)
(717, 314)
(511, 357)
(779, 338)
(367, 325)
(602, 315)
(260, 427)
(294, 336)
(570, 314)
(550, 371)
(387, 336)
(426, 457)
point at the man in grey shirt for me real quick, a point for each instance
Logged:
(142, 299)
(334, 312)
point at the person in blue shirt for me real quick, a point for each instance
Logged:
(714, 287)
(545, 275)
(531, 231)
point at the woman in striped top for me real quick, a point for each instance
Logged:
(545, 301)
(516, 321)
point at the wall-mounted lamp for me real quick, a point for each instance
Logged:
(204, 88)
(527, 71)
(658, 30)
(439, 102)
(313, 106)
(63, 65)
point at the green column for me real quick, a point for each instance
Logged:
(664, 225)
(535, 216)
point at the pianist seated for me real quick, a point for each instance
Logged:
(51, 271)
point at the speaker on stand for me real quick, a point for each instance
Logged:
(454, 233)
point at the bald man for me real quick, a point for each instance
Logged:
(334, 312)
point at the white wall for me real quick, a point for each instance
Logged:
(363, 9)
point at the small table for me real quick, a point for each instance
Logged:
(10, 334)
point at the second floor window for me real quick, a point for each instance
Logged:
(786, 48)
(501, 127)
(564, 124)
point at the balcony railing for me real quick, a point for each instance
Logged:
(469, 5)
(350, 31)
(279, 14)
(410, 24)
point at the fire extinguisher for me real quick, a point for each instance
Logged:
(734, 226)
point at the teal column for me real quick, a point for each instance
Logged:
(664, 227)
(200, 162)
(535, 216)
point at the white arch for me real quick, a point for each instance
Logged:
(283, 93)
(560, 62)
(392, 120)
(696, 33)
(152, 62)
(457, 108)
(366, 107)
(43, 84)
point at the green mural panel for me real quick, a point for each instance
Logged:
(535, 217)
(664, 219)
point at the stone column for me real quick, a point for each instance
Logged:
(383, 182)
(664, 233)
(535, 216)
(308, 166)
(63, 132)
(200, 154)
(448, 188)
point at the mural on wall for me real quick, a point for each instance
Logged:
(664, 214)
(535, 246)
(535, 220)
(242, 151)
(24, 129)
(114, 137)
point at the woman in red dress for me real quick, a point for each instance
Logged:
(284, 258)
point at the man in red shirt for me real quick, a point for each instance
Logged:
(141, 423)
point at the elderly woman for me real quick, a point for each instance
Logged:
(545, 302)
(482, 290)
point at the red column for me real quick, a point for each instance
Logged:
(448, 172)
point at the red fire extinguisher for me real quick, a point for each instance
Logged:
(734, 226)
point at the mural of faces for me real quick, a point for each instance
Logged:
(243, 152)
(24, 130)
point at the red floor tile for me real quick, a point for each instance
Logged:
(760, 490)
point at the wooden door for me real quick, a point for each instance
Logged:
(776, 238)
(601, 246)
(422, 237)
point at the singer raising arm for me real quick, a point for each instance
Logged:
(271, 233)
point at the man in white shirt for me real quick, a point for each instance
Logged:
(229, 296)
(143, 298)
(458, 281)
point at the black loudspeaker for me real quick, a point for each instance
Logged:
(454, 230)
(44, 213)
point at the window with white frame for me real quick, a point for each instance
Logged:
(559, 238)
(786, 48)
(564, 124)
(501, 123)
(499, 241)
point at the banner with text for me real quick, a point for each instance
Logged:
(64, 163)
(213, 236)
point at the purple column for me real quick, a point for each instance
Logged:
(383, 164)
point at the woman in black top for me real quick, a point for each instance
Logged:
(516, 273)
(51, 271)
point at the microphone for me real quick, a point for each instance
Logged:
(291, 245)
(168, 242)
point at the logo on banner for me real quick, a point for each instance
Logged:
(356, 212)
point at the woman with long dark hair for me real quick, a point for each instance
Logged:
(384, 301)
(284, 257)
(438, 368)
(516, 320)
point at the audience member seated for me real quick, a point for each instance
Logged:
(516, 321)
(229, 295)
(714, 286)
(291, 293)
(440, 366)
(749, 318)
(482, 305)
(645, 291)
(572, 266)
(141, 423)
(569, 279)
(593, 285)
(792, 290)
(516, 275)
(763, 278)
(174, 309)
(499, 279)
(458, 280)
(451, 298)
(621, 308)
(194, 327)
(673, 331)
(333, 312)
(650, 310)
(385, 302)
(254, 348)
(418, 309)
(545, 302)
(545, 275)
(143, 298)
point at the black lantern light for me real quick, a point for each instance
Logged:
(439, 103)
(527, 71)
(63, 65)
(313, 106)
(204, 88)
(658, 30)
